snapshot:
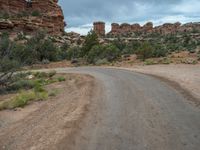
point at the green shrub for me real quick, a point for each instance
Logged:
(63, 52)
(21, 36)
(41, 95)
(47, 50)
(159, 50)
(189, 61)
(110, 52)
(40, 49)
(98, 52)
(22, 14)
(41, 75)
(61, 79)
(23, 99)
(102, 62)
(8, 65)
(20, 76)
(145, 51)
(166, 61)
(52, 73)
(119, 44)
(73, 53)
(36, 13)
(149, 62)
(20, 100)
(95, 54)
(90, 40)
(198, 56)
(21, 84)
(4, 15)
(38, 88)
(53, 93)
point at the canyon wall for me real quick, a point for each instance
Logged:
(19, 15)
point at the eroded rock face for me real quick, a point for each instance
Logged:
(127, 30)
(99, 28)
(136, 27)
(148, 27)
(168, 28)
(191, 27)
(40, 14)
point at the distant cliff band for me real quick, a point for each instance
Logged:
(124, 29)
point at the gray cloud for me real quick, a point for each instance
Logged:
(81, 12)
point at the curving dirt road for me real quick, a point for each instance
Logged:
(136, 112)
(132, 111)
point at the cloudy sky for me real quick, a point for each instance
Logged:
(80, 14)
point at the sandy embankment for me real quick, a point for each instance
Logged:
(42, 125)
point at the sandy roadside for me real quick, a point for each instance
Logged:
(187, 76)
(42, 125)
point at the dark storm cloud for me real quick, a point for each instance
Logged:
(81, 12)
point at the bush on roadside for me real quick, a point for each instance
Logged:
(23, 98)
(40, 49)
(21, 84)
(103, 61)
(73, 53)
(63, 52)
(40, 74)
(198, 56)
(131, 48)
(52, 73)
(150, 62)
(145, 51)
(61, 79)
(90, 40)
(108, 52)
(119, 44)
(159, 50)
(9, 63)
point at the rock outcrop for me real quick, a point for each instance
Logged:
(99, 28)
(20, 15)
(168, 28)
(148, 27)
(127, 30)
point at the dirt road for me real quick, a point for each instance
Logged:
(128, 111)
(136, 112)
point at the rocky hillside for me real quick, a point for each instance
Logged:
(19, 15)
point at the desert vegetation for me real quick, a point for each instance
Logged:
(27, 87)
(155, 47)
(42, 49)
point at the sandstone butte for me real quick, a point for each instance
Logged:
(31, 16)
(125, 29)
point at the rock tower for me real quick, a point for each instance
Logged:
(99, 28)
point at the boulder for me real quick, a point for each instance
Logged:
(6, 24)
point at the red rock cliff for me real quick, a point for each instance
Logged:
(29, 17)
